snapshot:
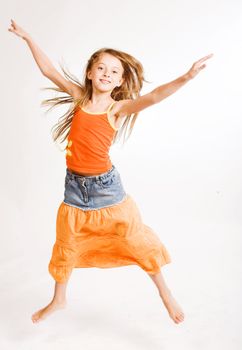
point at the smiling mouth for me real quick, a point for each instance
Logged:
(105, 81)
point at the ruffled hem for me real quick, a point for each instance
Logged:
(109, 237)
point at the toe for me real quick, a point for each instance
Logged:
(180, 318)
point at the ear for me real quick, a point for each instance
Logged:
(89, 74)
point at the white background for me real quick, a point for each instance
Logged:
(182, 165)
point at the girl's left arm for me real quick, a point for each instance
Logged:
(166, 90)
(127, 107)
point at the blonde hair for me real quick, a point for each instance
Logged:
(133, 76)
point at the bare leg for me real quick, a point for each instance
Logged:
(58, 302)
(173, 308)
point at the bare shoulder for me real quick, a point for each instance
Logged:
(123, 108)
(126, 107)
(117, 108)
(116, 117)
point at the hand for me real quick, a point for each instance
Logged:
(197, 67)
(17, 30)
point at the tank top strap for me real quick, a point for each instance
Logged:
(110, 107)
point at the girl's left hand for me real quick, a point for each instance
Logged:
(198, 66)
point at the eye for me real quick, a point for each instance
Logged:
(115, 72)
(100, 67)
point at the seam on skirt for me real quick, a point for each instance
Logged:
(107, 206)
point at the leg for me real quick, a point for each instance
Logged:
(58, 302)
(170, 303)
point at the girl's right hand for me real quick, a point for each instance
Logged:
(17, 30)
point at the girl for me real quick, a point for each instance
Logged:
(98, 224)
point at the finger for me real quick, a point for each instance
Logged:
(201, 60)
(208, 56)
(204, 58)
(13, 23)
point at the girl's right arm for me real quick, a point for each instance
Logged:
(45, 65)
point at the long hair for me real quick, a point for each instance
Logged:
(130, 89)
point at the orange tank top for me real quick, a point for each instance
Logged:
(89, 141)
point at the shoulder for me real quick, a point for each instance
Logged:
(115, 115)
(118, 107)
(130, 106)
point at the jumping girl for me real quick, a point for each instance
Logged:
(98, 224)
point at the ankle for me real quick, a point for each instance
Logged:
(59, 300)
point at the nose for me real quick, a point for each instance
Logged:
(107, 74)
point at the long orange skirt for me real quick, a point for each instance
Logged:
(108, 237)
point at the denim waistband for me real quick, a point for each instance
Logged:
(92, 178)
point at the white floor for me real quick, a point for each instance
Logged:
(119, 308)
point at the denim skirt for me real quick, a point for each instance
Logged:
(94, 192)
(99, 225)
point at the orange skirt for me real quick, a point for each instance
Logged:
(108, 237)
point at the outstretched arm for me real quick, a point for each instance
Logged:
(44, 64)
(127, 107)
(166, 90)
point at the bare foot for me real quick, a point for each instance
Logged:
(51, 307)
(173, 308)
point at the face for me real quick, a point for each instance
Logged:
(106, 73)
